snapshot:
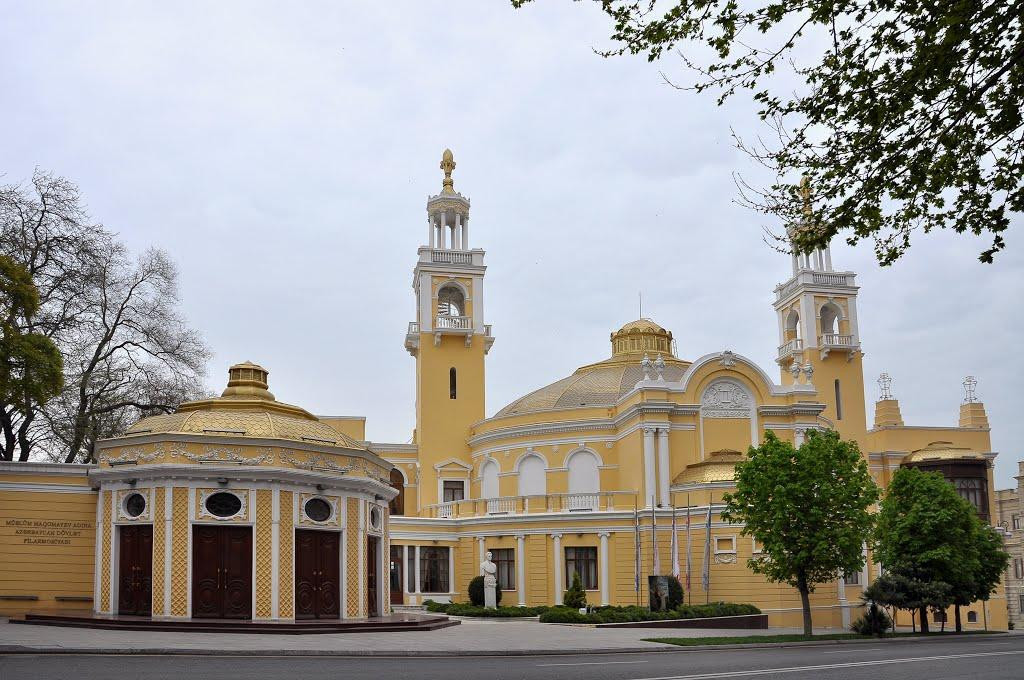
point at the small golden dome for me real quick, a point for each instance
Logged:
(939, 451)
(249, 381)
(642, 336)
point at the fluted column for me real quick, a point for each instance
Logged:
(465, 232)
(432, 229)
(649, 487)
(458, 232)
(663, 469)
(521, 569)
(603, 569)
(558, 568)
(441, 227)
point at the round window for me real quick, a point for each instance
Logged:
(135, 505)
(375, 518)
(223, 504)
(318, 510)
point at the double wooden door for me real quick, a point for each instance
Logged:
(221, 572)
(396, 574)
(372, 548)
(135, 570)
(317, 574)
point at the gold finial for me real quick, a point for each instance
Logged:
(805, 193)
(447, 165)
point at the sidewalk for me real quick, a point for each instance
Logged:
(475, 638)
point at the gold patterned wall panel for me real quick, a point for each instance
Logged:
(179, 552)
(159, 548)
(264, 552)
(286, 592)
(352, 533)
(105, 554)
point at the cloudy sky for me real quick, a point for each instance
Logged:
(282, 154)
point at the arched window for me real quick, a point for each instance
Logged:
(450, 301)
(830, 315)
(532, 477)
(451, 382)
(489, 480)
(397, 505)
(793, 325)
(583, 474)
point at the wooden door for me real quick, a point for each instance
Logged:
(372, 545)
(135, 570)
(396, 574)
(317, 574)
(221, 572)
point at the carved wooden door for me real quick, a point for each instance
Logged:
(396, 574)
(221, 572)
(135, 570)
(372, 546)
(317, 570)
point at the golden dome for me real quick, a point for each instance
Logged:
(720, 466)
(940, 451)
(245, 409)
(605, 382)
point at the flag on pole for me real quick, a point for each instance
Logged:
(636, 549)
(654, 538)
(705, 577)
(675, 546)
(687, 542)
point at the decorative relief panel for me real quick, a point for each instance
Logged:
(264, 552)
(726, 399)
(133, 454)
(123, 512)
(203, 512)
(317, 461)
(230, 454)
(334, 520)
(105, 556)
(286, 561)
(352, 560)
(179, 561)
(159, 550)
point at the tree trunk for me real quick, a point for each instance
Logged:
(924, 619)
(805, 602)
(913, 622)
(959, 627)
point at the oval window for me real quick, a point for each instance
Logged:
(375, 518)
(135, 505)
(318, 510)
(223, 504)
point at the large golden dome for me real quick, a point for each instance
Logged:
(605, 382)
(245, 409)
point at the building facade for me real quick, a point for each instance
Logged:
(1010, 518)
(584, 475)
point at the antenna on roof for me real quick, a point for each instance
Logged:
(641, 294)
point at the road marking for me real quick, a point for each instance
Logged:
(857, 648)
(802, 669)
(589, 663)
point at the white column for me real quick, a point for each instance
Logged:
(440, 229)
(796, 264)
(521, 569)
(558, 568)
(431, 229)
(451, 567)
(416, 570)
(663, 470)
(465, 232)
(828, 259)
(458, 232)
(603, 568)
(844, 611)
(649, 487)
(405, 570)
(480, 548)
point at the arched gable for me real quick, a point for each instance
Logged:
(733, 365)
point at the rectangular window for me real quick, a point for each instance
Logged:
(1020, 601)
(1016, 521)
(454, 490)
(582, 561)
(434, 569)
(1018, 568)
(725, 544)
(410, 567)
(505, 560)
(839, 402)
(852, 578)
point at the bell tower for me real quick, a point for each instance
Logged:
(819, 339)
(449, 340)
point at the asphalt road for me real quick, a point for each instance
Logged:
(976, 658)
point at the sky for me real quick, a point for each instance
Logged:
(282, 154)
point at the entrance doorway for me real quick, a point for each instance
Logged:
(221, 572)
(372, 550)
(317, 570)
(135, 570)
(396, 574)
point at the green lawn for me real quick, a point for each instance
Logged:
(792, 637)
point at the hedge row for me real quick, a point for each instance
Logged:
(630, 614)
(466, 609)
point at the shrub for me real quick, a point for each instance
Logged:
(634, 613)
(464, 609)
(476, 592)
(436, 607)
(575, 597)
(874, 621)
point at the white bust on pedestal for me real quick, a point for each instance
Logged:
(489, 571)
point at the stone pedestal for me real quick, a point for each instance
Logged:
(490, 594)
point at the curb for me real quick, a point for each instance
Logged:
(666, 648)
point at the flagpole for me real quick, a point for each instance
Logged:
(706, 576)
(654, 539)
(675, 546)
(636, 550)
(688, 550)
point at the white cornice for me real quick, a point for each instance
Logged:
(40, 468)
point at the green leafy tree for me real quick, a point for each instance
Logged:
(928, 533)
(807, 507)
(31, 369)
(898, 591)
(990, 562)
(910, 116)
(575, 596)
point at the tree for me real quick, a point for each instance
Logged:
(910, 116)
(30, 364)
(808, 508)
(898, 591)
(575, 596)
(928, 533)
(126, 350)
(987, 547)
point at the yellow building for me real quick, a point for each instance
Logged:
(551, 484)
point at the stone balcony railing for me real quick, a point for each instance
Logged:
(835, 340)
(527, 505)
(790, 348)
(443, 322)
(807, 276)
(452, 256)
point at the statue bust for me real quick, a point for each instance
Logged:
(489, 571)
